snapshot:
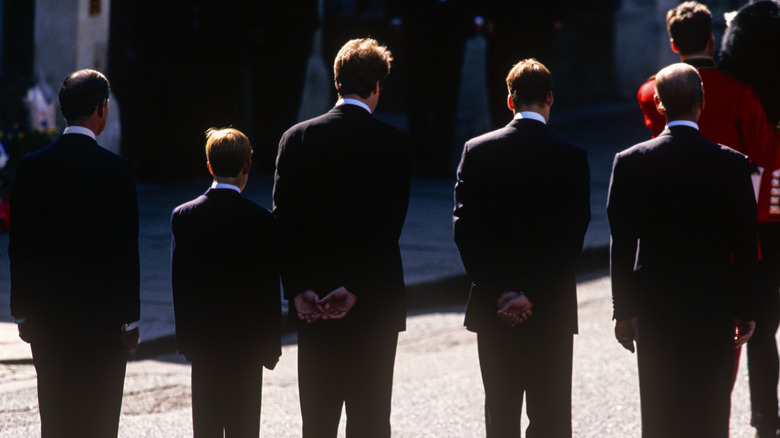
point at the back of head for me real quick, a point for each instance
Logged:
(689, 26)
(529, 82)
(81, 93)
(680, 91)
(359, 65)
(227, 151)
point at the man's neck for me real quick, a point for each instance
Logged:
(543, 110)
(370, 101)
(228, 183)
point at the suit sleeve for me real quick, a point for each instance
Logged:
(469, 229)
(744, 246)
(18, 245)
(576, 215)
(624, 242)
(127, 264)
(289, 209)
(181, 277)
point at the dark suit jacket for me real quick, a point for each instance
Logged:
(340, 195)
(74, 240)
(682, 213)
(522, 206)
(225, 277)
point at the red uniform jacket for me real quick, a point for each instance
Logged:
(732, 116)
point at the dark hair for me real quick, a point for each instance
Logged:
(227, 150)
(689, 26)
(359, 65)
(81, 93)
(529, 82)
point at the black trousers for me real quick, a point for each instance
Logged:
(685, 378)
(762, 355)
(80, 386)
(226, 396)
(538, 365)
(339, 365)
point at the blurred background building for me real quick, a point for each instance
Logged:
(178, 67)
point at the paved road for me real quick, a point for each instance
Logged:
(437, 391)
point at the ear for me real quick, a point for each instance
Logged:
(549, 99)
(247, 167)
(377, 88)
(208, 165)
(674, 46)
(100, 107)
(658, 106)
(509, 103)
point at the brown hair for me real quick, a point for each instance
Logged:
(81, 93)
(359, 65)
(529, 82)
(227, 150)
(690, 26)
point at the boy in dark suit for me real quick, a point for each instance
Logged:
(226, 293)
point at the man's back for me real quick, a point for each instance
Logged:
(341, 194)
(689, 203)
(522, 208)
(73, 244)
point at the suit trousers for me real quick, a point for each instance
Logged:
(685, 375)
(515, 363)
(80, 385)
(226, 396)
(762, 355)
(343, 365)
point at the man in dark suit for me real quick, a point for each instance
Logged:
(74, 266)
(340, 196)
(226, 295)
(522, 205)
(682, 214)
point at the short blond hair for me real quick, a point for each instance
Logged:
(227, 150)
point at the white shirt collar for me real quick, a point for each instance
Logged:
(355, 102)
(533, 115)
(219, 185)
(688, 123)
(79, 130)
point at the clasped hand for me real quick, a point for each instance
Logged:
(335, 305)
(514, 308)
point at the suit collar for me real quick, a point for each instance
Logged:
(354, 102)
(221, 192)
(680, 130)
(530, 115)
(79, 130)
(218, 185)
